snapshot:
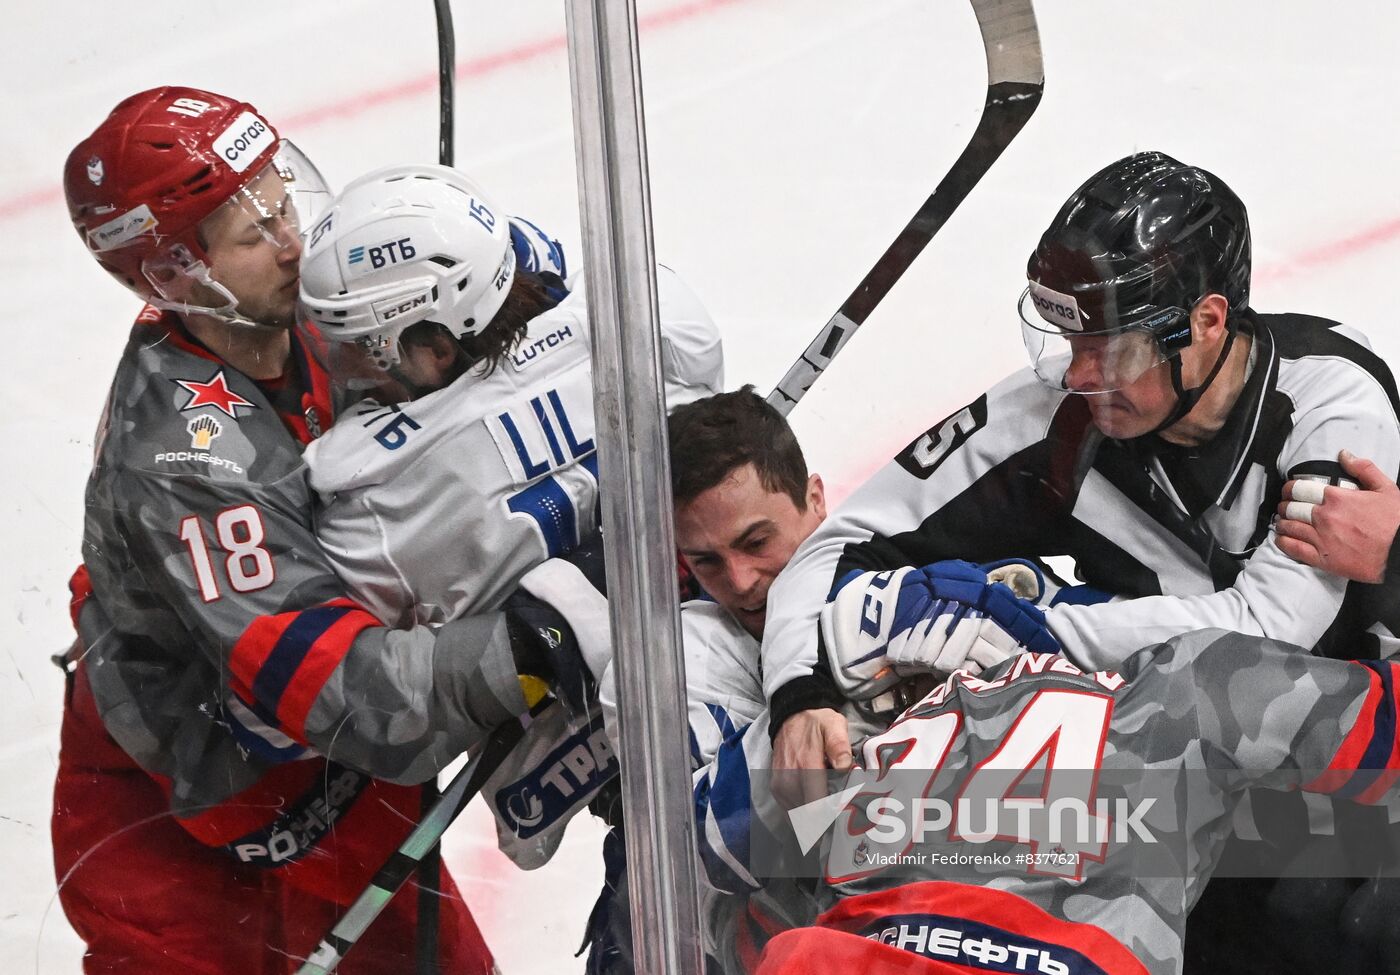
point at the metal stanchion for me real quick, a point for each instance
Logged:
(636, 490)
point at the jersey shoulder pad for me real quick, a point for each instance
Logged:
(370, 442)
(1324, 363)
(1299, 335)
(1304, 337)
(692, 349)
(682, 314)
(1015, 414)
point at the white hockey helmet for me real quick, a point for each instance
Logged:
(404, 245)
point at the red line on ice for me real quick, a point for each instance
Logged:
(17, 206)
(1332, 251)
(22, 203)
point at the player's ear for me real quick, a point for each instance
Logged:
(434, 339)
(816, 496)
(445, 348)
(1208, 320)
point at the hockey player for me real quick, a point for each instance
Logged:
(412, 269)
(1177, 732)
(737, 473)
(1149, 440)
(438, 503)
(222, 674)
(744, 501)
(1350, 533)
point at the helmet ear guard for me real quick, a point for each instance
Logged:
(1172, 328)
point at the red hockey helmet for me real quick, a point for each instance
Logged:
(163, 161)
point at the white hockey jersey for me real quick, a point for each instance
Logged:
(734, 809)
(728, 736)
(434, 509)
(728, 720)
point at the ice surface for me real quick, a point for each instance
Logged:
(790, 140)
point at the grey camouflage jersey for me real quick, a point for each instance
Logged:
(1193, 722)
(220, 644)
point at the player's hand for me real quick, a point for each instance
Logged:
(977, 623)
(947, 616)
(547, 654)
(1341, 530)
(808, 743)
(574, 586)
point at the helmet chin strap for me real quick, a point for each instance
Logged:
(1186, 399)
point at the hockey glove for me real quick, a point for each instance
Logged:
(547, 654)
(880, 626)
(1002, 609)
(558, 595)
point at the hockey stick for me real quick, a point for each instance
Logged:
(447, 76)
(1015, 81)
(412, 852)
(430, 869)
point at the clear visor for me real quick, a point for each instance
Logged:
(287, 195)
(1099, 361)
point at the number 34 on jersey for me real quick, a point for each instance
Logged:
(1034, 785)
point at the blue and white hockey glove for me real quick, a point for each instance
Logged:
(535, 250)
(882, 626)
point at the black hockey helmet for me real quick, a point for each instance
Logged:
(1130, 254)
(1143, 235)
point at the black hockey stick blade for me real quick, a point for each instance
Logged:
(416, 846)
(1015, 81)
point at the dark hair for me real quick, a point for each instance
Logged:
(528, 298)
(712, 437)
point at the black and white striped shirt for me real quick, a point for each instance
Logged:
(1023, 472)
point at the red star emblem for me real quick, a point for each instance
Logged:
(214, 393)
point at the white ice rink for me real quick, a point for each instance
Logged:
(790, 140)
